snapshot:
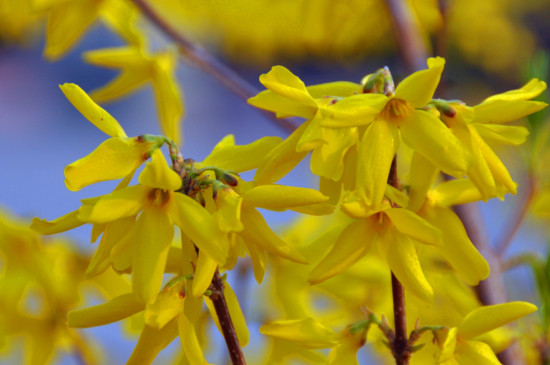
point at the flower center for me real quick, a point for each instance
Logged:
(159, 197)
(396, 110)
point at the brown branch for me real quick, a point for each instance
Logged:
(222, 311)
(400, 345)
(203, 60)
(408, 34)
(515, 222)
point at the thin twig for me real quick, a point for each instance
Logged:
(200, 58)
(515, 222)
(222, 311)
(400, 345)
(408, 34)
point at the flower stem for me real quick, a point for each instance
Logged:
(200, 58)
(407, 33)
(400, 348)
(400, 345)
(222, 311)
(517, 219)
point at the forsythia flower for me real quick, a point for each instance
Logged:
(170, 314)
(334, 121)
(68, 20)
(485, 122)
(137, 67)
(461, 345)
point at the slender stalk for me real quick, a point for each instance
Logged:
(222, 311)
(400, 346)
(515, 222)
(408, 35)
(216, 286)
(200, 58)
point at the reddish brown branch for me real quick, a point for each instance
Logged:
(408, 34)
(200, 58)
(222, 311)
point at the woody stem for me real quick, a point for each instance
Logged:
(222, 311)
(203, 60)
(399, 346)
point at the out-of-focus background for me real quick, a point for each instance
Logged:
(490, 46)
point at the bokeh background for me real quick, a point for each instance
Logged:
(490, 47)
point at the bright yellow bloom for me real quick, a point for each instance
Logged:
(461, 345)
(234, 206)
(390, 232)
(137, 67)
(287, 95)
(334, 118)
(485, 122)
(115, 158)
(68, 20)
(172, 313)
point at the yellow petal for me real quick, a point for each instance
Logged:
(61, 224)
(151, 342)
(541, 206)
(337, 88)
(119, 204)
(153, 234)
(457, 249)
(427, 135)
(328, 159)
(113, 234)
(93, 112)
(418, 88)
(283, 82)
(228, 214)
(448, 347)
(410, 224)
(422, 176)
(474, 352)
(166, 306)
(506, 134)
(256, 231)
(113, 159)
(157, 174)
(308, 332)
(488, 318)
(227, 156)
(531, 90)
(376, 152)
(355, 110)
(455, 192)
(114, 310)
(281, 159)
(168, 95)
(352, 244)
(258, 258)
(67, 22)
(286, 94)
(504, 111)
(206, 267)
(403, 261)
(281, 197)
(201, 227)
(190, 342)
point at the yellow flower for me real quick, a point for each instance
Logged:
(485, 122)
(334, 118)
(115, 158)
(172, 313)
(138, 67)
(390, 232)
(287, 95)
(461, 345)
(68, 20)
(234, 204)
